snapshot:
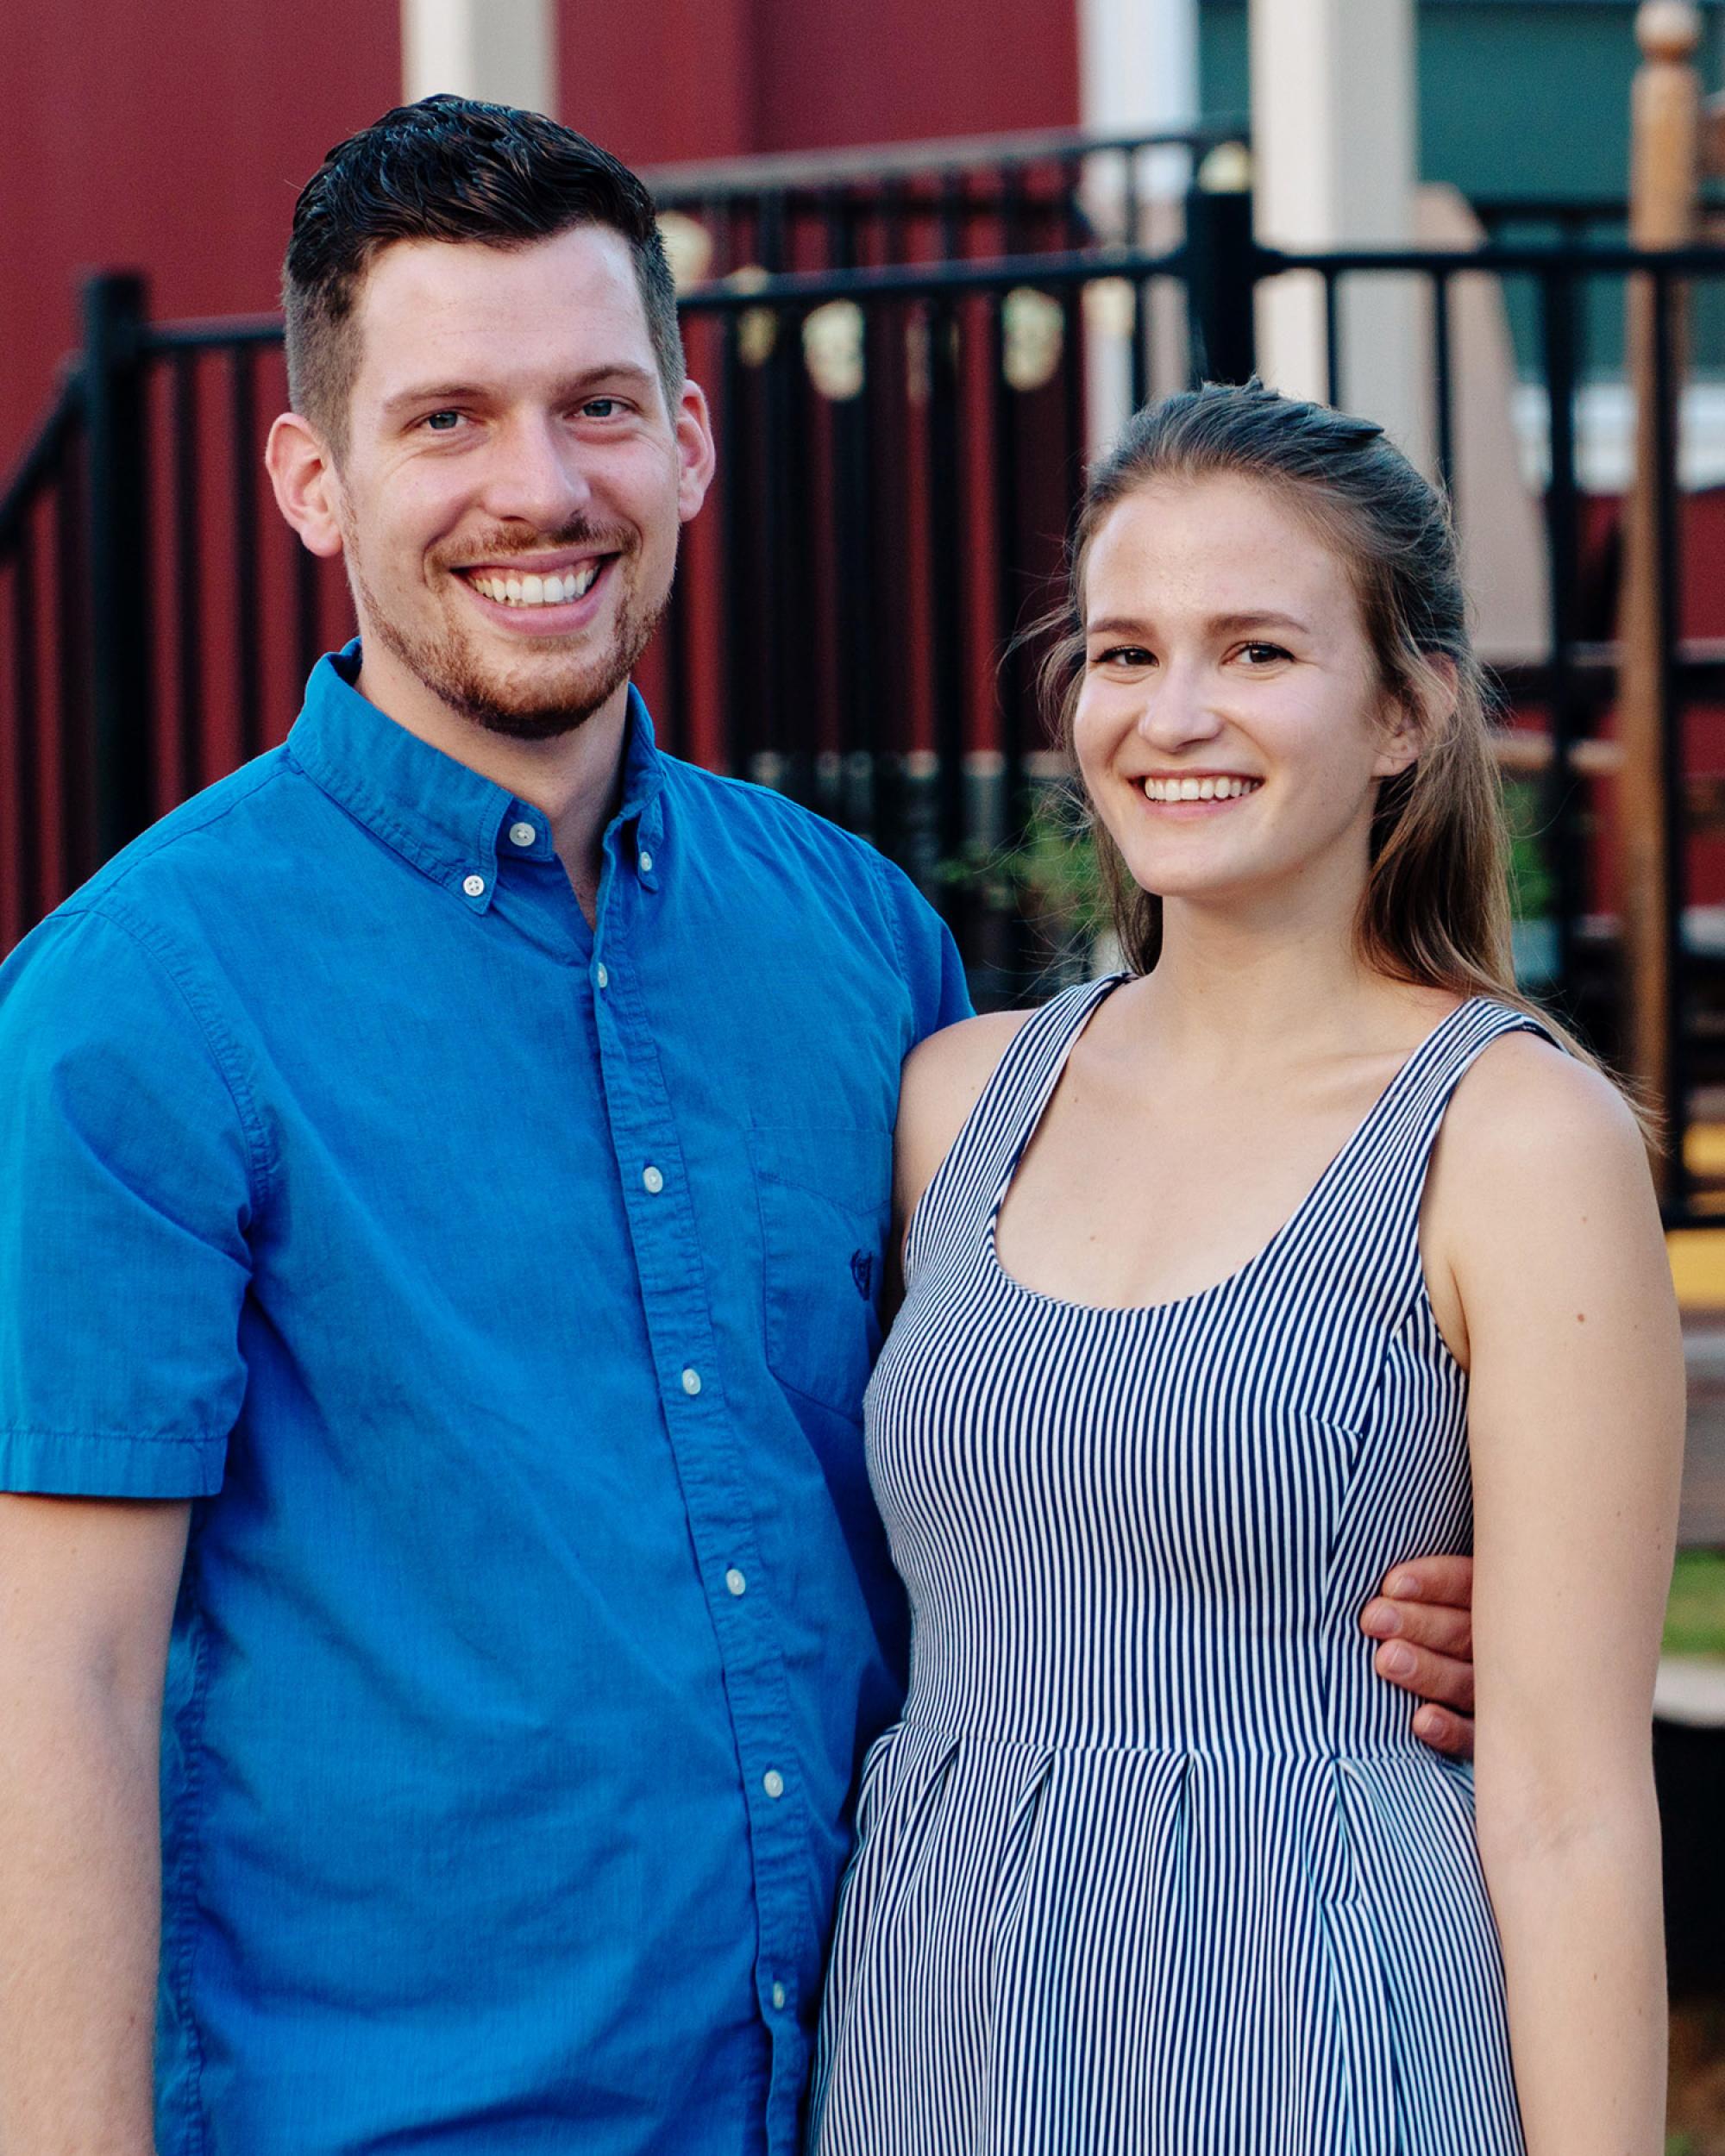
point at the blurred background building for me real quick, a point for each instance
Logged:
(172, 139)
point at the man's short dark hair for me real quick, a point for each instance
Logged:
(451, 168)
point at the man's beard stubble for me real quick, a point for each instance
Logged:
(454, 674)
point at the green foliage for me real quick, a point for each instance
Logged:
(1051, 877)
(1533, 889)
(1694, 1616)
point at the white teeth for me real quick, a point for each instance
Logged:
(556, 590)
(1199, 789)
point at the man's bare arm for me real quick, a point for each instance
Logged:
(87, 1591)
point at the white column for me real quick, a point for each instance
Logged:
(502, 50)
(1138, 73)
(1334, 125)
(1137, 64)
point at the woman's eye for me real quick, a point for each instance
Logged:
(1125, 655)
(1261, 654)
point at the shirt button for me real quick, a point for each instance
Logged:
(603, 978)
(522, 833)
(778, 1997)
(692, 1382)
(773, 1782)
(735, 1581)
(475, 886)
(646, 862)
(653, 1180)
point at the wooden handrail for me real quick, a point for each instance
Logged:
(1665, 182)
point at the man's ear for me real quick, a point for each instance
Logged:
(696, 454)
(307, 487)
(1414, 726)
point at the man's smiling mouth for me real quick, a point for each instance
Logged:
(557, 589)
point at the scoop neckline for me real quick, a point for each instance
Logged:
(1259, 1257)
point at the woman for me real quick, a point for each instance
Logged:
(1221, 1275)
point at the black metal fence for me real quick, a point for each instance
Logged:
(903, 426)
(1054, 190)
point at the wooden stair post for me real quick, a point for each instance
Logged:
(1664, 192)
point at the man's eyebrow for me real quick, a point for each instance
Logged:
(1221, 625)
(430, 395)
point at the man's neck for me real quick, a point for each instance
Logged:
(574, 779)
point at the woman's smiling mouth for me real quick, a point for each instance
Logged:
(1208, 786)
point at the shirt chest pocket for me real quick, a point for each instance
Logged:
(825, 1201)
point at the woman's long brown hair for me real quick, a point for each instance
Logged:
(1435, 911)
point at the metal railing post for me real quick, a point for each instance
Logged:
(121, 675)
(1223, 266)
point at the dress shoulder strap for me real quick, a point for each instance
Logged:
(961, 1193)
(1368, 1220)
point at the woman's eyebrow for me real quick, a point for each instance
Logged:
(1222, 624)
(1233, 624)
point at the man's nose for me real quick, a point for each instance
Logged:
(537, 475)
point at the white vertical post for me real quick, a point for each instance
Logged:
(1138, 75)
(1334, 126)
(1137, 64)
(501, 50)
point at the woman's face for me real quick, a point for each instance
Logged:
(1230, 728)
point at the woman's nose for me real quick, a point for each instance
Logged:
(1179, 708)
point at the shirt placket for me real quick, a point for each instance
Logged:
(658, 1204)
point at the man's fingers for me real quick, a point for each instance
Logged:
(1448, 1581)
(1426, 1624)
(1452, 1734)
(1433, 1676)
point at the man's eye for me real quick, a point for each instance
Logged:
(442, 422)
(599, 407)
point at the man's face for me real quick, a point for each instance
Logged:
(513, 486)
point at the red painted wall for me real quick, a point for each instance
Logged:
(676, 79)
(170, 138)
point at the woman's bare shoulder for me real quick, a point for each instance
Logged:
(944, 1077)
(1537, 1148)
(1528, 1110)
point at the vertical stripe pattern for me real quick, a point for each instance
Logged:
(1151, 1861)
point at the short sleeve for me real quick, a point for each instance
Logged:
(128, 1171)
(934, 973)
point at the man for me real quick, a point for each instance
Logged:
(445, 1174)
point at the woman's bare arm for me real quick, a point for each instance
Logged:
(1542, 1211)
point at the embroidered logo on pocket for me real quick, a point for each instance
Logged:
(863, 1272)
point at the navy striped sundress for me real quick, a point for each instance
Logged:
(1151, 1861)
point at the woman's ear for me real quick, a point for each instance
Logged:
(1418, 721)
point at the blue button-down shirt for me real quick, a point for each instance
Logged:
(504, 1292)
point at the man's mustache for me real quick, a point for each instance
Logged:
(510, 543)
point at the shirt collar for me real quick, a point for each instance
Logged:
(435, 812)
